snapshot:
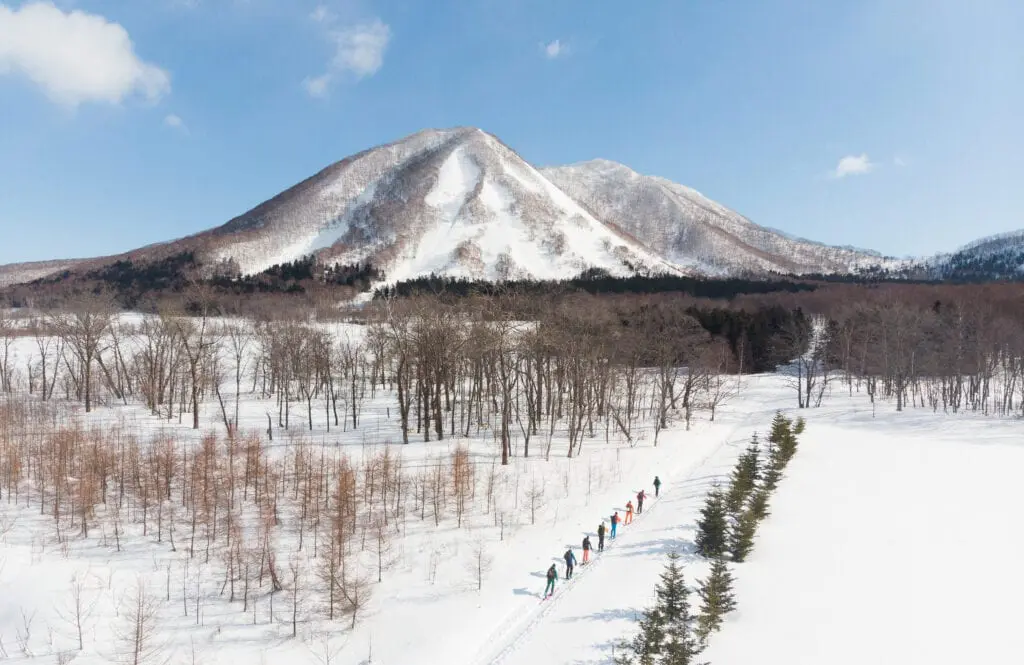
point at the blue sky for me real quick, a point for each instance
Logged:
(889, 124)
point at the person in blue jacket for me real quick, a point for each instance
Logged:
(570, 563)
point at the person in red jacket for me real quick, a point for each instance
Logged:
(640, 496)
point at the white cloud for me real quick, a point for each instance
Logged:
(359, 51)
(853, 165)
(317, 87)
(75, 57)
(898, 161)
(361, 48)
(175, 122)
(321, 14)
(555, 49)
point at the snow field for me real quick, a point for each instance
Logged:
(427, 605)
(891, 541)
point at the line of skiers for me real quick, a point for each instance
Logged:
(570, 557)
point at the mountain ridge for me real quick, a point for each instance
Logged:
(459, 202)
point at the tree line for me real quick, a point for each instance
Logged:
(671, 632)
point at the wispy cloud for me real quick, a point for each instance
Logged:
(174, 121)
(321, 14)
(317, 87)
(898, 161)
(358, 52)
(75, 57)
(853, 165)
(555, 49)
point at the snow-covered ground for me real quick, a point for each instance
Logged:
(891, 540)
(894, 541)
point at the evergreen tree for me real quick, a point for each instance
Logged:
(741, 535)
(783, 438)
(772, 473)
(713, 526)
(646, 645)
(800, 426)
(744, 477)
(680, 646)
(759, 503)
(666, 634)
(717, 599)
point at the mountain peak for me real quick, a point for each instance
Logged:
(459, 202)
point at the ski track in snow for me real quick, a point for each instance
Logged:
(506, 640)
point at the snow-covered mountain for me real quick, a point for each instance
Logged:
(693, 231)
(459, 202)
(455, 202)
(992, 258)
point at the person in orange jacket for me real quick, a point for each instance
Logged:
(629, 513)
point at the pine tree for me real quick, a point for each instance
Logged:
(680, 646)
(781, 428)
(713, 526)
(772, 473)
(783, 438)
(744, 477)
(741, 535)
(666, 634)
(646, 645)
(759, 503)
(800, 426)
(717, 599)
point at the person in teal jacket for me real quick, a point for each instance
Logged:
(549, 590)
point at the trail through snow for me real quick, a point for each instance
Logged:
(535, 631)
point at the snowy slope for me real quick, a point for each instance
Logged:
(692, 230)
(18, 273)
(457, 202)
(995, 257)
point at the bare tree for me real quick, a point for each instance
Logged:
(7, 333)
(84, 331)
(479, 564)
(79, 610)
(137, 633)
(297, 577)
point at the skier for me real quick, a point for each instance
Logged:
(629, 513)
(586, 549)
(640, 502)
(549, 590)
(657, 486)
(600, 537)
(570, 562)
(615, 523)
